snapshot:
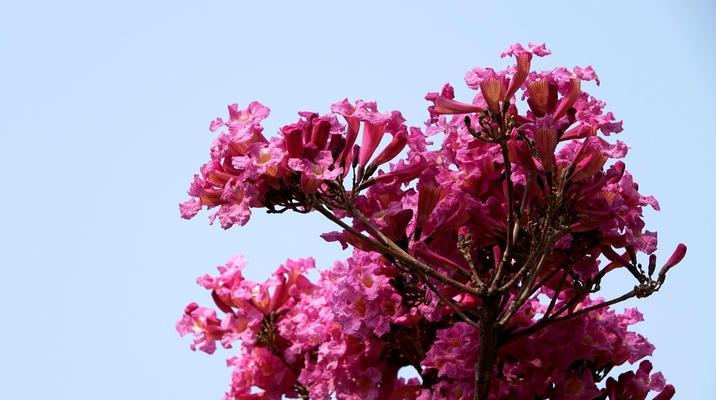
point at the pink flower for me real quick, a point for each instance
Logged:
(400, 139)
(374, 124)
(537, 49)
(444, 103)
(428, 196)
(346, 109)
(523, 68)
(454, 352)
(189, 208)
(363, 385)
(403, 172)
(203, 324)
(637, 386)
(346, 331)
(675, 258)
(586, 74)
(314, 173)
(259, 368)
(569, 100)
(319, 133)
(542, 96)
(477, 75)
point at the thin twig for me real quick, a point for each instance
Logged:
(524, 293)
(447, 301)
(394, 250)
(465, 247)
(507, 255)
(523, 203)
(542, 324)
(404, 256)
(555, 296)
(518, 275)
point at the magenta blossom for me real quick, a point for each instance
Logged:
(479, 246)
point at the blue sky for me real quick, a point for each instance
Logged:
(104, 109)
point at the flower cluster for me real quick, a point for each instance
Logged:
(249, 171)
(350, 333)
(475, 262)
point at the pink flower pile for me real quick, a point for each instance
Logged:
(348, 334)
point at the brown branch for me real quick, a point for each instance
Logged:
(514, 307)
(475, 275)
(404, 256)
(518, 275)
(572, 302)
(447, 301)
(545, 323)
(507, 255)
(394, 250)
(523, 203)
(387, 249)
(538, 250)
(541, 250)
(487, 353)
(465, 246)
(555, 296)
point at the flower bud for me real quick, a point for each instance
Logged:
(392, 149)
(345, 157)
(354, 155)
(675, 258)
(652, 264)
(372, 134)
(404, 174)
(443, 105)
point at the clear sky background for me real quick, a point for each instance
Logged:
(104, 110)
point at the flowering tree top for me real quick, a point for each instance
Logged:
(476, 262)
